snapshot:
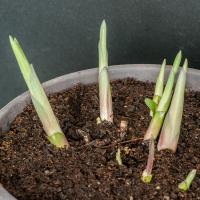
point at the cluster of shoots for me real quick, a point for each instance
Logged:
(40, 101)
(166, 110)
(166, 107)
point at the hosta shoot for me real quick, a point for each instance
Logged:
(39, 98)
(157, 120)
(172, 124)
(147, 173)
(185, 185)
(105, 98)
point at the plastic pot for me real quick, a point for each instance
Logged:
(143, 72)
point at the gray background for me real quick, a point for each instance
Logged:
(61, 36)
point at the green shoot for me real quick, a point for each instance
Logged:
(157, 120)
(118, 157)
(105, 98)
(159, 86)
(39, 98)
(185, 185)
(172, 124)
(147, 173)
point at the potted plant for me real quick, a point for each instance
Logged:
(87, 140)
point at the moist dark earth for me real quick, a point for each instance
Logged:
(32, 168)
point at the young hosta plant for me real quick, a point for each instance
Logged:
(147, 173)
(185, 185)
(171, 127)
(39, 98)
(152, 104)
(157, 120)
(105, 97)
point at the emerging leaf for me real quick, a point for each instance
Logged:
(160, 83)
(159, 86)
(151, 105)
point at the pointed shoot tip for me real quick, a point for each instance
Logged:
(180, 53)
(10, 37)
(103, 24)
(164, 61)
(185, 65)
(11, 40)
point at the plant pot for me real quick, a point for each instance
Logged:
(143, 72)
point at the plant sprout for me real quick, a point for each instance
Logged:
(157, 120)
(105, 98)
(147, 173)
(152, 104)
(39, 98)
(185, 185)
(118, 157)
(171, 127)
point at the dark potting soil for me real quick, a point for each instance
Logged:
(32, 168)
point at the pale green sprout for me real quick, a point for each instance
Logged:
(147, 173)
(153, 103)
(39, 98)
(118, 157)
(157, 120)
(172, 124)
(185, 185)
(105, 97)
(158, 88)
(159, 84)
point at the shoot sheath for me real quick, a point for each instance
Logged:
(171, 128)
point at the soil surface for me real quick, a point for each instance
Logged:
(32, 168)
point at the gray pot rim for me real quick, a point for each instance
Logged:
(149, 72)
